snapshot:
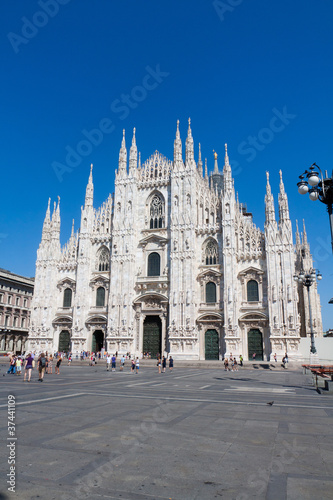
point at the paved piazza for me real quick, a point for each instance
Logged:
(195, 433)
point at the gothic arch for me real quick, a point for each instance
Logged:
(156, 210)
(102, 259)
(210, 253)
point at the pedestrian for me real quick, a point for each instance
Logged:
(113, 363)
(235, 365)
(241, 360)
(18, 365)
(122, 363)
(12, 366)
(226, 364)
(163, 364)
(283, 362)
(137, 365)
(286, 357)
(69, 358)
(170, 363)
(159, 364)
(254, 356)
(41, 366)
(49, 364)
(28, 367)
(132, 366)
(108, 361)
(57, 367)
(275, 358)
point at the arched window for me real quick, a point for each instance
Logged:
(252, 291)
(100, 297)
(67, 297)
(154, 264)
(156, 212)
(102, 262)
(211, 254)
(210, 292)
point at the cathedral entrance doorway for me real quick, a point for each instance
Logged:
(97, 341)
(255, 345)
(211, 345)
(64, 341)
(152, 336)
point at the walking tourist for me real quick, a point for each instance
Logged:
(113, 363)
(170, 363)
(49, 364)
(159, 364)
(122, 363)
(28, 367)
(132, 366)
(108, 361)
(137, 365)
(163, 364)
(226, 364)
(18, 365)
(241, 360)
(12, 365)
(57, 367)
(41, 366)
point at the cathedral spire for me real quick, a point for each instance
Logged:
(206, 170)
(226, 158)
(133, 159)
(269, 202)
(200, 161)
(47, 222)
(305, 237)
(298, 239)
(189, 145)
(89, 190)
(122, 164)
(177, 149)
(216, 167)
(227, 177)
(283, 202)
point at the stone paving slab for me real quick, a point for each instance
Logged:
(186, 435)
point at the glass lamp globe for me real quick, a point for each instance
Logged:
(303, 188)
(319, 276)
(313, 179)
(314, 195)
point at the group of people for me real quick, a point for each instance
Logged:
(161, 363)
(44, 364)
(231, 363)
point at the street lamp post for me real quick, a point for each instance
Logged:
(307, 279)
(319, 188)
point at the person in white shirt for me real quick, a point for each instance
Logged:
(108, 361)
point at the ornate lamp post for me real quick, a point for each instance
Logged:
(307, 279)
(319, 188)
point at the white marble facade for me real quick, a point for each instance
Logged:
(172, 263)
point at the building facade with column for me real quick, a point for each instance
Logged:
(172, 263)
(15, 300)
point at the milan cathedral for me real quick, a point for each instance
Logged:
(173, 264)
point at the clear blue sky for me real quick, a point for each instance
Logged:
(231, 66)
